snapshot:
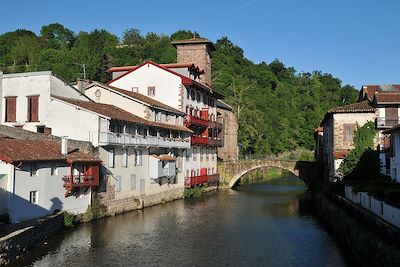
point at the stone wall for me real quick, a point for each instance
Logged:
(20, 241)
(197, 54)
(230, 150)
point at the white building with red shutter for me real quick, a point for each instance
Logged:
(185, 86)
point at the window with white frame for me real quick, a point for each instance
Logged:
(133, 181)
(34, 197)
(117, 183)
(138, 157)
(194, 154)
(125, 157)
(111, 157)
(187, 155)
(151, 90)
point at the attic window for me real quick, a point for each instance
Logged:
(135, 89)
(151, 90)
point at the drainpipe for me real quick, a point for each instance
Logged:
(64, 145)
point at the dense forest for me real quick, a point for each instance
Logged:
(277, 107)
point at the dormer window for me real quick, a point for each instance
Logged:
(151, 91)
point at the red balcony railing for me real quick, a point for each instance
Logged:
(196, 180)
(200, 121)
(199, 140)
(79, 181)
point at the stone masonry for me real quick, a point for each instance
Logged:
(230, 150)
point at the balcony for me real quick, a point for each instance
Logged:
(215, 142)
(110, 138)
(199, 140)
(72, 181)
(386, 122)
(196, 180)
(161, 166)
(215, 125)
(196, 120)
(213, 178)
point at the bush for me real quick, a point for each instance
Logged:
(69, 219)
(195, 192)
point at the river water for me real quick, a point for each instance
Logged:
(261, 224)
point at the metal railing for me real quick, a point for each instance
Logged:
(387, 122)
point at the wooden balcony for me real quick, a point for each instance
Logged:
(198, 121)
(79, 181)
(110, 138)
(199, 140)
(89, 178)
(213, 178)
(386, 122)
(196, 180)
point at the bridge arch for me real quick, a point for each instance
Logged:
(238, 176)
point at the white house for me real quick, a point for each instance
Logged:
(394, 151)
(38, 178)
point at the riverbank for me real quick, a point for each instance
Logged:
(364, 247)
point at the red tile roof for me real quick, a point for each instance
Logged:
(116, 113)
(368, 91)
(386, 97)
(17, 150)
(363, 106)
(340, 154)
(147, 100)
(185, 80)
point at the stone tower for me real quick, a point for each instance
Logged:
(196, 51)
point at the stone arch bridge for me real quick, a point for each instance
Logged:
(230, 172)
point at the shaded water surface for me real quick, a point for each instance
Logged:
(262, 224)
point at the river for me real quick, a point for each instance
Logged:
(268, 223)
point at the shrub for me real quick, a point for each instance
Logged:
(69, 219)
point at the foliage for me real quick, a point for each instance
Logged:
(363, 161)
(195, 192)
(277, 108)
(69, 219)
(95, 210)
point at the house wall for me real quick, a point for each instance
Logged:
(6, 178)
(42, 84)
(340, 119)
(230, 150)
(394, 160)
(111, 98)
(51, 193)
(167, 84)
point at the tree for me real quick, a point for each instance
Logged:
(56, 36)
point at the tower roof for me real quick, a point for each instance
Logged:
(195, 41)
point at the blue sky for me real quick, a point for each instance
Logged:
(357, 41)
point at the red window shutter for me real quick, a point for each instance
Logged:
(11, 107)
(35, 108)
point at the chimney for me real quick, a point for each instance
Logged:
(64, 145)
(82, 84)
(196, 51)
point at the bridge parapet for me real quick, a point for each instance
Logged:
(231, 172)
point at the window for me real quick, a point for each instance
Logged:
(33, 108)
(151, 90)
(187, 154)
(198, 97)
(54, 169)
(135, 89)
(11, 109)
(348, 132)
(187, 173)
(111, 157)
(117, 183)
(193, 95)
(125, 158)
(188, 94)
(138, 157)
(34, 170)
(33, 197)
(158, 116)
(133, 181)
(194, 154)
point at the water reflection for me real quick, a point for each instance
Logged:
(263, 224)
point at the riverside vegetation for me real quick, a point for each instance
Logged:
(277, 107)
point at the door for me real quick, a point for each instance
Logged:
(142, 186)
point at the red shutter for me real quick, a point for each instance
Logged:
(35, 108)
(11, 107)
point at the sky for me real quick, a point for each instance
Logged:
(357, 41)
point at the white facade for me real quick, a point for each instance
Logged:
(395, 155)
(32, 196)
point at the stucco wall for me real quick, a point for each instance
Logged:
(51, 193)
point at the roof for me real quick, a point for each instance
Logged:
(368, 91)
(357, 107)
(164, 157)
(194, 41)
(17, 150)
(387, 97)
(168, 66)
(185, 80)
(221, 104)
(340, 154)
(142, 98)
(116, 113)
